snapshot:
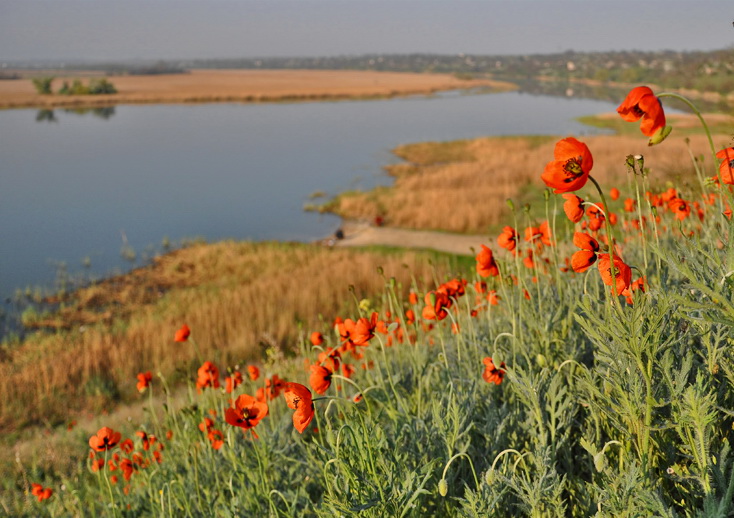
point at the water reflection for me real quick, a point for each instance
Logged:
(602, 92)
(47, 115)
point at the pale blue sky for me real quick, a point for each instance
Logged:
(170, 29)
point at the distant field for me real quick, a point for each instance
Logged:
(242, 86)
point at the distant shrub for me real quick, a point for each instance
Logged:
(95, 87)
(43, 85)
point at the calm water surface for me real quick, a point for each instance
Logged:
(77, 185)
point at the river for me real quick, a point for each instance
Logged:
(80, 190)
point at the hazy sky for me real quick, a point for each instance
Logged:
(170, 29)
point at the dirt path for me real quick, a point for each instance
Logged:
(362, 234)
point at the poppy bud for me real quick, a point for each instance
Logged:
(489, 477)
(541, 361)
(600, 461)
(442, 487)
(660, 135)
(510, 204)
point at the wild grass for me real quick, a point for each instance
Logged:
(239, 298)
(462, 186)
(535, 390)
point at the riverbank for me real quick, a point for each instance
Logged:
(243, 86)
(462, 186)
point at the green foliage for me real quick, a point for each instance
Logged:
(43, 85)
(95, 87)
(610, 405)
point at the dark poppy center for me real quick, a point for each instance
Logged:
(572, 168)
(731, 164)
(637, 110)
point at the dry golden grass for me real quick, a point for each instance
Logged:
(239, 299)
(244, 86)
(462, 186)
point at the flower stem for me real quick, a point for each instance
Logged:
(700, 118)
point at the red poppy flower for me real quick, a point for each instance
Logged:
(144, 379)
(491, 373)
(437, 303)
(42, 494)
(680, 208)
(253, 372)
(105, 439)
(583, 259)
(206, 425)
(232, 382)
(144, 438)
(359, 332)
(208, 376)
(614, 194)
(532, 233)
(347, 370)
(570, 168)
(320, 379)
(493, 298)
(216, 438)
(182, 334)
(317, 338)
(573, 207)
(623, 273)
(545, 233)
(630, 205)
(486, 265)
(330, 359)
(299, 398)
(726, 168)
(273, 386)
(638, 285)
(642, 103)
(508, 239)
(528, 261)
(127, 467)
(246, 413)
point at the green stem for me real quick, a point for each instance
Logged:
(610, 239)
(700, 118)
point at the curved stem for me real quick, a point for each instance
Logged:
(698, 114)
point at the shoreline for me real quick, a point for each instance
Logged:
(244, 86)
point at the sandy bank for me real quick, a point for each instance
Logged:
(242, 86)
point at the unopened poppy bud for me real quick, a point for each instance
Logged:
(546, 194)
(380, 271)
(600, 461)
(443, 487)
(541, 360)
(510, 204)
(660, 135)
(489, 477)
